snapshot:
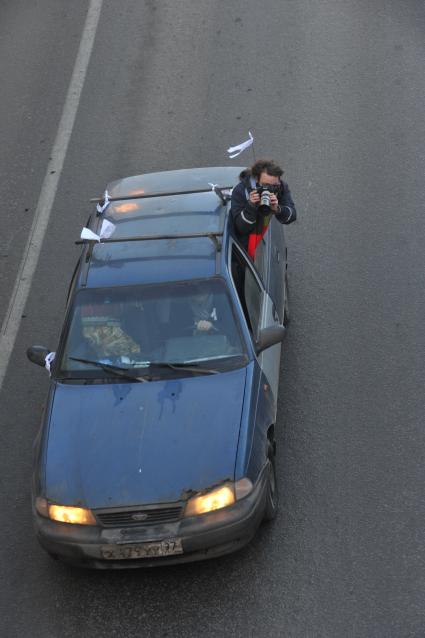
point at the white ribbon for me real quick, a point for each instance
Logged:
(48, 360)
(106, 231)
(234, 151)
(103, 205)
(227, 192)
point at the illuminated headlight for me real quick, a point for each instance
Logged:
(218, 498)
(64, 513)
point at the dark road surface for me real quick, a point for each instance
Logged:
(335, 91)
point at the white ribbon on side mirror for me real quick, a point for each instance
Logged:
(49, 358)
(106, 231)
(234, 151)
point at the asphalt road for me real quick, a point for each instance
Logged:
(336, 92)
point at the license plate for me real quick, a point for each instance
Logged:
(142, 550)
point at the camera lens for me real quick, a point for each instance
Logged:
(264, 205)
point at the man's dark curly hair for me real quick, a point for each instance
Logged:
(262, 166)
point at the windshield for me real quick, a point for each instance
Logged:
(136, 327)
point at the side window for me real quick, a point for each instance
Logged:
(260, 259)
(248, 289)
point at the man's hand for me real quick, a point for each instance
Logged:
(203, 325)
(274, 204)
(254, 198)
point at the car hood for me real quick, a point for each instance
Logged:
(115, 444)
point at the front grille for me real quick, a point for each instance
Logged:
(142, 516)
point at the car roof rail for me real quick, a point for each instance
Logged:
(220, 191)
(91, 243)
(214, 236)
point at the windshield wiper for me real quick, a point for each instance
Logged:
(119, 372)
(190, 366)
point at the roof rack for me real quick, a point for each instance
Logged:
(93, 242)
(218, 190)
(213, 236)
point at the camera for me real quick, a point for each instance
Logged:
(264, 191)
(264, 205)
(271, 188)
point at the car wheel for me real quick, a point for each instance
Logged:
(272, 497)
(286, 318)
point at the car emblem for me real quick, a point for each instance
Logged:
(139, 516)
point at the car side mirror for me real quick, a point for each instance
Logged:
(269, 337)
(38, 354)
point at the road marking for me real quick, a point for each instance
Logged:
(32, 250)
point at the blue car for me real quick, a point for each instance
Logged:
(157, 441)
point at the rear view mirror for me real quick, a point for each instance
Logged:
(269, 337)
(38, 354)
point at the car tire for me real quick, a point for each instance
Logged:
(286, 316)
(272, 496)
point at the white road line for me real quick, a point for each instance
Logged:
(32, 251)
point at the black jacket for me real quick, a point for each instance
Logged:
(246, 219)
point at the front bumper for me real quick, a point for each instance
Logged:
(203, 537)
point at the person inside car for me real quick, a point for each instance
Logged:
(204, 312)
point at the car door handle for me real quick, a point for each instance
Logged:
(277, 256)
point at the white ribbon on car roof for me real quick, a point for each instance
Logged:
(225, 191)
(106, 231)
(103, 205)
(234, 151)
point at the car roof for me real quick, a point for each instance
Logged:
(159, 204)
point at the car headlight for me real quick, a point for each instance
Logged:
(218, 498)
(64, 513)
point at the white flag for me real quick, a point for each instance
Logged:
(107, 229)
(86, 233)
(234, 151)
(103, 205)
(105, 232)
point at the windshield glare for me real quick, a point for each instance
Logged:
(134, 326)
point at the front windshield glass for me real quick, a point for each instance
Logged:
(135, 327)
